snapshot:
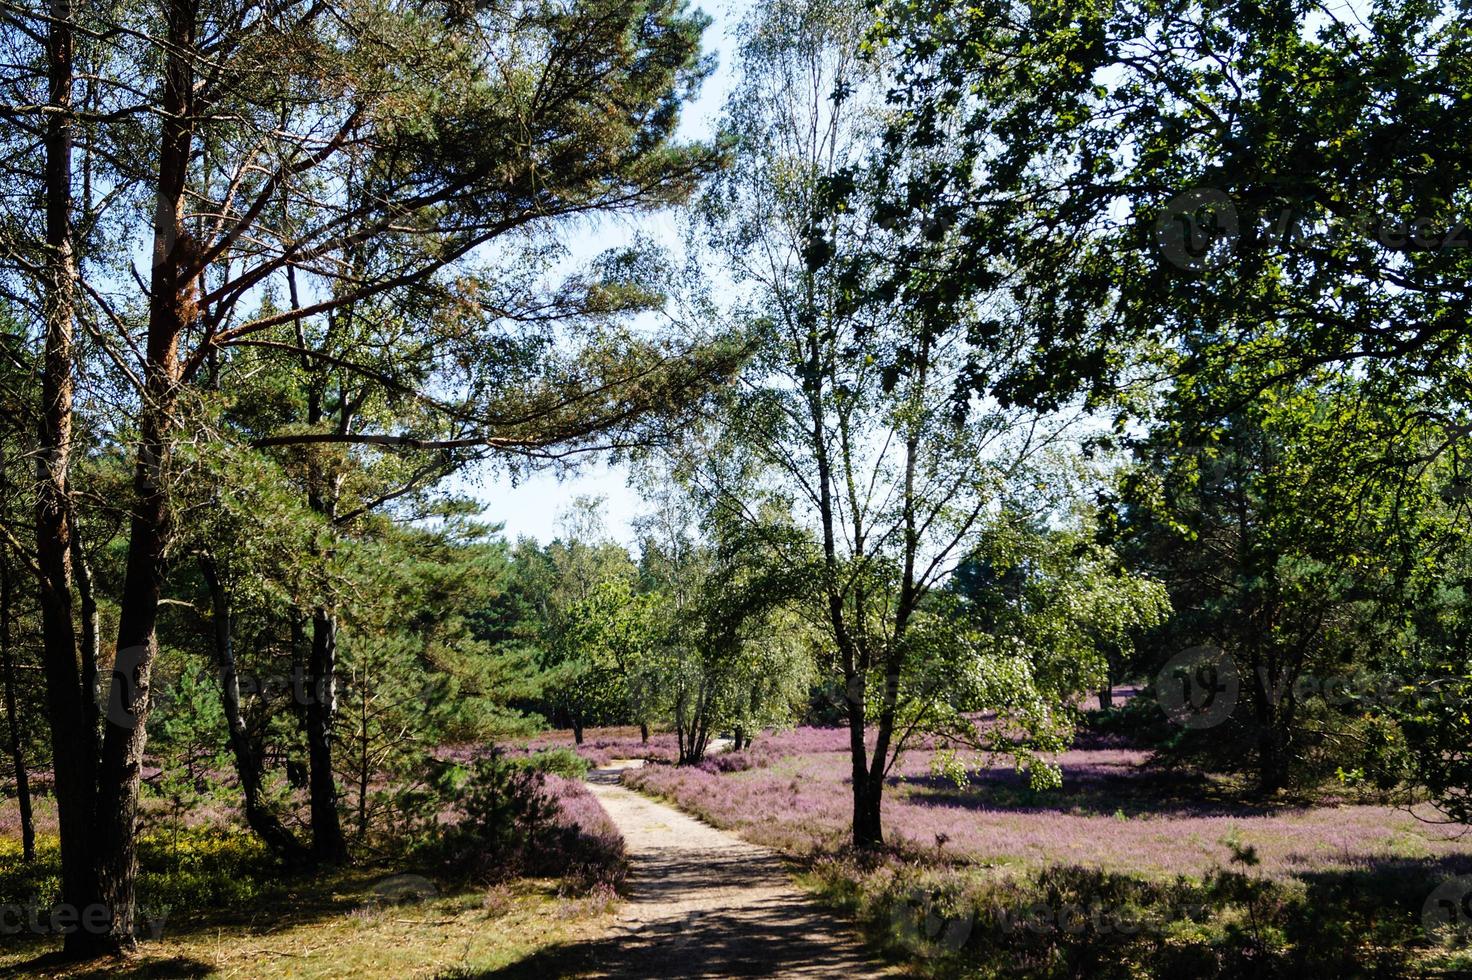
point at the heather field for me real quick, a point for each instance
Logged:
(791, 791)
(1126, 870)
(602, 745)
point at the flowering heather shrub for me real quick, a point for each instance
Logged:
(501, 817)
(1068, 922)
(806, 740)
(592, 854)
(219, 807)
(43, 811)
(1110, 814)
(752, 758)
(601, 746)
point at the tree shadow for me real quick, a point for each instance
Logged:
(1404, 883)
(301, 899)
(124, 969)
(677, 933)
(1092, 788)
(788, 938)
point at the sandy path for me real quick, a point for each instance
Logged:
(705, 903)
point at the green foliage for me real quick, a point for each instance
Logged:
(1067, 602)
(496, 818)
(1006, 137)
(560, 761)
(189, 731)
(188, 872)
(572, 603)
(610, 637)
(502, 817)
(1285, 533)
(733, 653)
(1421, 710)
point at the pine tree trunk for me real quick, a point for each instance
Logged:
(328, 843)
(248, 767)
(17, 753)
(89, 639)
(365, 763)
(171, 309)
(74, 755)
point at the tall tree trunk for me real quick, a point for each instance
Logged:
(854, 658)
(364, 754)
(248, 765)
(328, 843)
(171, 308)
(868, 829)
(17, 753)
(867, 833)
(1273, 748)
(74, 756)
(365, 764)
(89, 639)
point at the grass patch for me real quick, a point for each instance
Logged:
(339, 926)
(213, 904)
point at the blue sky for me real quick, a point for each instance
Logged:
(533, 506)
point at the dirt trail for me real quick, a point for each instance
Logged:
(705, 903)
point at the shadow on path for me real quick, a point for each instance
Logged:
(703, 903)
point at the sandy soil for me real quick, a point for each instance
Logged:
(705, 903)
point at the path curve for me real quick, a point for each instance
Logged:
(705, 903)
